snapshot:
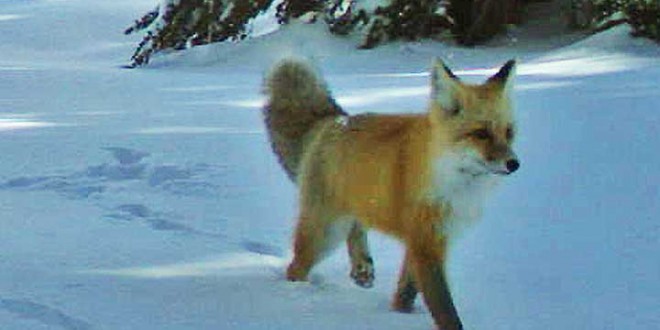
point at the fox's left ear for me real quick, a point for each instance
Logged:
(504, 77)
(443, 87)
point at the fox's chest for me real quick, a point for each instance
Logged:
(461, 190)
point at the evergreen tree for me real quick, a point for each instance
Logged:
(406, 20)
(642, 15)
(178, 24)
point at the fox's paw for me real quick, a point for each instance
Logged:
(363, 273)
(294, 273)
(403, 307)
(404, 300)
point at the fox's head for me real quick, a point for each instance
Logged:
(476, 120)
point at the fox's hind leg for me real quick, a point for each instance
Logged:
(307, 246)
(317, 234)
(362, 264)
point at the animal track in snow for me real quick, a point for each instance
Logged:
(127, 166)
(262, 248)
(129, 175)
(43, 314)
(155, 220)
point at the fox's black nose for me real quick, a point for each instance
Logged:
(512, 165)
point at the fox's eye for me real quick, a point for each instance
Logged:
(453, 110)
(509, 133)
(481, 134)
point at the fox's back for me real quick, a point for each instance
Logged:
(371, 166)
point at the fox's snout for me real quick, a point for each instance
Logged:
(505, 164)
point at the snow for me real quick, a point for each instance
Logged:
(149, 198)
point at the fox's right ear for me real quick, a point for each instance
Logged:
(504, 77)
(443, 87)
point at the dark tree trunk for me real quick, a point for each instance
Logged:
(480, 20)
(461, 12)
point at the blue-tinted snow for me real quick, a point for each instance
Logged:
(149, 199)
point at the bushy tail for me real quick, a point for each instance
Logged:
(297, 100)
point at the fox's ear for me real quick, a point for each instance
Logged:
(443, 87)
(504, 77)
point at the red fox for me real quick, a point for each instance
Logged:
(416, 177)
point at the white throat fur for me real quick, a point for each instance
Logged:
(461, 184)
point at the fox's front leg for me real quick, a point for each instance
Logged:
(429, 277)
(362, 264)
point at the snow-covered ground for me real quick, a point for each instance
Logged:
(149, 198)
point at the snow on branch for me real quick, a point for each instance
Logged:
(180, 24)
